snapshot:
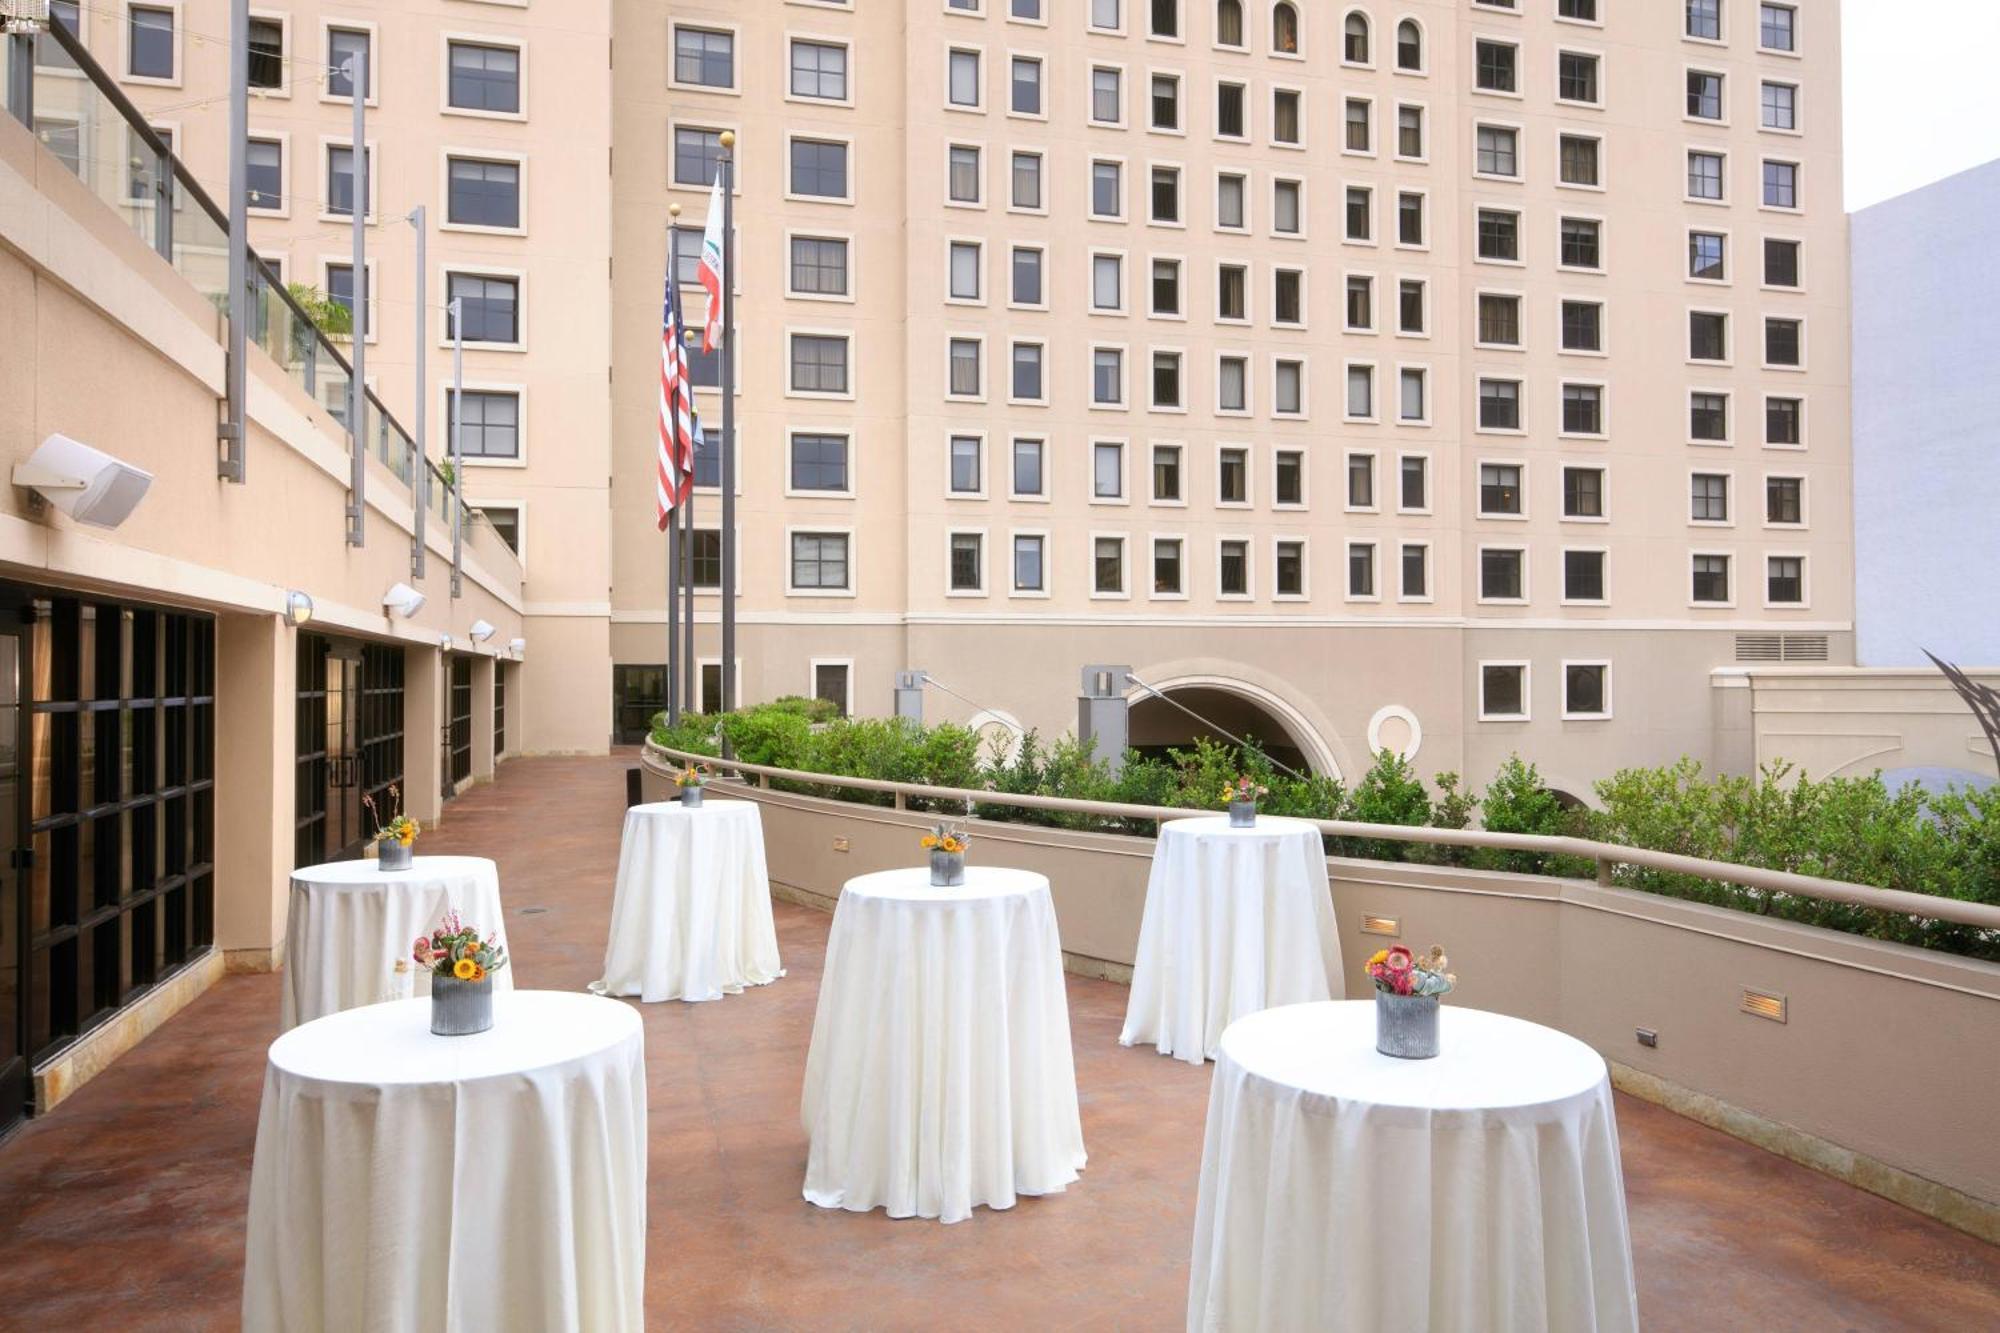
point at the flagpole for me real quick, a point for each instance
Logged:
(690, 669)
(728, 478)
(672, 534)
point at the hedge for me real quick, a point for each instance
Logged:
(1852, 829)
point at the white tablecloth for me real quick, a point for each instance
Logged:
(406, 1181)
(350, 925)
(940, 1075)
(691, 915)
(1237, 920)
(1343, 1189)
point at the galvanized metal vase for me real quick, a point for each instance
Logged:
(392, 854)
(461, 1008)
(691, 798)
(947, 869)
(1242, 814)
(1406, 1026)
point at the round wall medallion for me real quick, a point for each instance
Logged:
(1395, 728)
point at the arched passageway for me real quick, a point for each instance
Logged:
(1158, 726)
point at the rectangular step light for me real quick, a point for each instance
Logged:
(1381, 925)
(1764, 1004)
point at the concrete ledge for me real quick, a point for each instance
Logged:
(1954, 1208)
(87, 1057)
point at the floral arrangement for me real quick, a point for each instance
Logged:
(1399, 972)
(946, 837)
(1243, 789)
(455, 950)
(400, 827)
(693, 776)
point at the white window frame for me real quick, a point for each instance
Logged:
(1567, 714)
(1527, 689)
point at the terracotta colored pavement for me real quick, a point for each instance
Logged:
(125, 1208)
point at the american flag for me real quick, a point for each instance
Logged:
(680, 432)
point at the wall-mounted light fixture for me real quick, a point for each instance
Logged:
(402, 600)
(518, 646)
(480, 631)
(298, 608)
(87, 484)
(444, 642)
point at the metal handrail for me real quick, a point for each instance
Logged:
(1606, 855)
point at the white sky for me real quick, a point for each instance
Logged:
(1923, 91)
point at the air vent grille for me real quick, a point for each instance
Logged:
(1781, 647)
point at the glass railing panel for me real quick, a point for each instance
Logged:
(87, 133)
(201, 252)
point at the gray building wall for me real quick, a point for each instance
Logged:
(1926, 270)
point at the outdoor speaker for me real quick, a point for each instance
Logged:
(87, 484)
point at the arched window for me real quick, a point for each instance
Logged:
(1355, 50)
(1229, 22)
(1409, 45)
(1285, 28)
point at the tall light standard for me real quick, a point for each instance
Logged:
(457, 496)
(727, 166)
(420, 472)
(357, 390)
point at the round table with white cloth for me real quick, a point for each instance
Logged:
(1344, 1189)
(940, 1075)
(1236, 920)
(691, 913)
(498, 1181)
(351, 925)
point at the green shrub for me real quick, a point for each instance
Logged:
(1390, 792)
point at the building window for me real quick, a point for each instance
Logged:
(1495, 151)
(831, 683)
(1499, 405)
(705, 558)
(1586, 689)
(1026, 277)
(1231, 122)
(1409, 131)
(1354, 40)
(1704, 175)
(962, 82)
(1413, 493)
(962, 175)
(1583, 409)
(1410, 306)
(1785, 580)
(1500, 489)
(1025, 181)
(1360, 303)
(965, 359)
(1361, 392)
(506, 523)
(1704, 19)
(1494, 67)
(340, 179)
(1710, 578)
(1577, 160)
(1499, 320)
(1781, 263)
(818, 363)
(697, 156)
(1416, 581)
(1028, 468)
(1784, 500)
(1166, 18)
(1583, 576)
(1581, 244)
(1708, 256)
(1361, 481)
(1584, 11)
(1232, 568)
(1288, 387)
(968, 465)
(1287, 115)
(1167, 473)
(1409, 219)
(704, 57)
(819, 168)
(819, 70)
(1287, 296)
(1708, 497)
(264, 162)
(1232, 390)
(819, 265)
(489, 425)
(485, 78)
(1288, 479)
(1166, 102)
(1784, 421)
(963, 270)
(1704, 95)
(1576, 77)
(1409, 46)
(1360, 130)
(1107, 377)
(820, 561)
(1107, 190)
(340, 291)
(1499, 235)
(1028, 571)
(1360, 213)
(1784, 342)
(1503, 690)
(1024, 86)
(1232, 299)
(1107, 471)
(1708, 335)
(1582, 326)
(1107, 14)
(1361, 569)
(1583, 492)
(1107, 565)
(1501, 572)
(1285, 28)
(1107, 282)
(1780, 106)
(1167, 567)
(1288, 208)
(1777, 27)
(489, 307)
(1167, 287)
(483, 193)
(1781, 185)
(1229, 23)
(1027, 373)
(1106, 96)
(1708, 417)
(1289, 569)
(819, 462)
(342, 45)
(1166, 194)
(267, 46)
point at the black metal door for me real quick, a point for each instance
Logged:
(459, 736)
(349, 735)
(14, 1071)
(638, 692)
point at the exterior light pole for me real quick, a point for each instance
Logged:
(235, 369)
(727, 592)
(457, 493)
(357, 391)
(420, 476)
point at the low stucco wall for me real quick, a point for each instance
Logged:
(1882, 1073)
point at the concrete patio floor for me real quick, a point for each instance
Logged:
(124, 1208)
